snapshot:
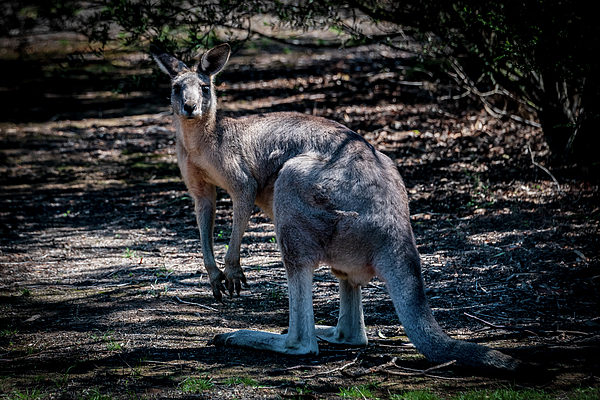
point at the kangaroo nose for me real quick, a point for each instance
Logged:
(189, 108)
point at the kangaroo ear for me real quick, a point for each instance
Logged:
(215, 59)
(169, 64)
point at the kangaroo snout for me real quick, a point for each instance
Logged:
(188, 108)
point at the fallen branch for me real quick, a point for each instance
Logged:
(544, 169)
(411, 372)
(510, 328)
(588, 337)
(370, 370)
(583, 336)
(195, 304)
(282, 371)
(425, 372)
(343, 367)
(398, 344)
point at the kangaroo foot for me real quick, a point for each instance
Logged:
(258, 340)
(335, 335)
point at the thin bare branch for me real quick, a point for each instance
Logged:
(463, 80)
(369, 371)
(343, 367)
(426, 372)
(510, 328)
(195, 304)
(544, 169)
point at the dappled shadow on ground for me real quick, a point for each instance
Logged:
(102, 285)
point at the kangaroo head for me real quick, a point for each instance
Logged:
(192, 91)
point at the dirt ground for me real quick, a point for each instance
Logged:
(102, 287)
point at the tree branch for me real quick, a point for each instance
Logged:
(544, 169)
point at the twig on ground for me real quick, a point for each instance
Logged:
(440, 366)
(370, 370)
(408, 347)
(383, 368)
(282, 371)
(544, 169)
(387, 342)
(588, 337)
(425, 372)
(510, 328)
(114, 272)
(343, 367)
(195, 304)
(581, 335)
(172, 363)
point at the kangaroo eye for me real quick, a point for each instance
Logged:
(205, 89)
(176, 89)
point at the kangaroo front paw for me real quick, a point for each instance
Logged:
(217, 286)
(234, 278)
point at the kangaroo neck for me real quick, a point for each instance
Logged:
(195, 134)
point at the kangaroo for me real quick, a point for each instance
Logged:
(334, 199)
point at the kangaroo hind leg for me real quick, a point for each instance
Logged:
(301, 231)
(305, 205)
(350, 329)
(300, 338)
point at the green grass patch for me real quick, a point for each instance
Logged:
(8, 332)
(359, 392)
(504, 394)
(111, 343)
(27, 395)
(129, 253)
(585, 394)
(415, 395)
(196, 385)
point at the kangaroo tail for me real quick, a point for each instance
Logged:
(406, 288)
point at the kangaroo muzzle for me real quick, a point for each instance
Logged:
(189, 108)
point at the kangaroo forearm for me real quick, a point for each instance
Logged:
(241, 216)
(205, 217)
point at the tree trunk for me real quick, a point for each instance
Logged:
(570, 123)
(585, 145)
(558, 131)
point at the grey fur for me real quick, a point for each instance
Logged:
(334, 200)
